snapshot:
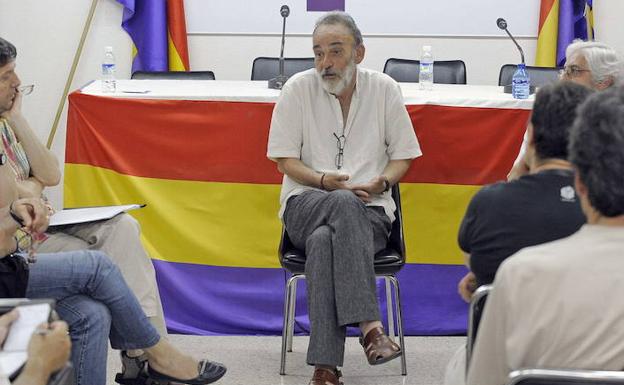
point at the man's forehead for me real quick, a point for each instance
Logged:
(8, 67)
(335, 33)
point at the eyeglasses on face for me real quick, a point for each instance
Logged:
(340, 142)
(572, 71)
(26, 90)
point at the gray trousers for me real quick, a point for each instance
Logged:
(340, 236)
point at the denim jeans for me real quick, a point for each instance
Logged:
(93, 298)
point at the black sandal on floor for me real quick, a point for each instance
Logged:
(133, 370)
(209, 372)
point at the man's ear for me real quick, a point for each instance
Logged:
(604, 84)
(579, 186)
(359, 53)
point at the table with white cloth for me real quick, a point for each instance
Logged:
(195, 153)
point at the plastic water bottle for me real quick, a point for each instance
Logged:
(425, 77)
(108, 71)
(520, 83)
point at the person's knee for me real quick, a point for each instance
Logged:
(124, 224)
(319, 237)
(101, 262)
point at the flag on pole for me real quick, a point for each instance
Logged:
(560, 23)
(158, 32)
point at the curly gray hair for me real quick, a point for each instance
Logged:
(603, 61)
(338, 17)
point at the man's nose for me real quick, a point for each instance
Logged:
(16, 81)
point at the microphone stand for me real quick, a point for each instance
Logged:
(502, 24)
(278, 82)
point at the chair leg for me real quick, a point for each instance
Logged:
(291, 314)
(399, 316)
(389, 311)
(287, 302)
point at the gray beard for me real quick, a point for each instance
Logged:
(345, 78)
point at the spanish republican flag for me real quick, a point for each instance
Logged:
(560, 23)
(158, 31)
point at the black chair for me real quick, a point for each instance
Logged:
(265, 68)
(540, 76)
(477, 306)
(565, 377)
(387, 263)
(174, 75)
(444, 71)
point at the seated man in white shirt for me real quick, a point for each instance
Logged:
(46, 353)
(558, 305)
(342, 137)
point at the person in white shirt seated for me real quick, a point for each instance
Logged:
(558, 305)
(589, 63)
(342, 137)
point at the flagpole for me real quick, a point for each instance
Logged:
(72, 72)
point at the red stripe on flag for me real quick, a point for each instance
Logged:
(176, 24)
(226, 141)
(545, 8)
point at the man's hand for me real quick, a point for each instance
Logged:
(5, 323)
(467, 286)
(33, 212)
(16, 109)
(47, 352)
(334, 181)
(364, 191)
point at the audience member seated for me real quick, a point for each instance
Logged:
(46, 353)
(35, 168)
(592, 64)
(557, 305)
(539, 207)
(93, 298)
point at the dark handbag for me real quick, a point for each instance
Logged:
(13, 276)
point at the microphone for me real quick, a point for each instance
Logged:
(278, 82)
(502, 24)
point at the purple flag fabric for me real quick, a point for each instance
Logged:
(146, 23)
(572, 25)
(326, 5)
(215, 300)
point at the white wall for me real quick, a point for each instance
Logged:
(46, 33)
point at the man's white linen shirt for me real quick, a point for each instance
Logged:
(557, 305)
(378, 129)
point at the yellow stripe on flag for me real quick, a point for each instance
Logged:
(546, 55)
(432, 214)
(221, 224)
(175, 62)
(236, 224)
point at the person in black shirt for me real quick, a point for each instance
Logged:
(542, 206)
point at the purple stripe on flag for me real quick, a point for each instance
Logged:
(572, 25)
(146, 23)
(212, 300)
(326, 5)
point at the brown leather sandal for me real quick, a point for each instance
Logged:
(378, 347)
(325, 376)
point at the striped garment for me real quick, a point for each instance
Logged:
(16, 155)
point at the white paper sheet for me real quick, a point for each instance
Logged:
(89, 214)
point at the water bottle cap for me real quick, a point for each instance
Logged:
(426, 48)
(522, 65)
(108, 49)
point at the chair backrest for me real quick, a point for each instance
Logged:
(174, 75)
(293, 259)
(444, 71)
(265, 68)
(539, 75)
(565, 377)
(477, 305)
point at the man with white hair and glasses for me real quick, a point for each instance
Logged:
(342, 137)
(590, 63)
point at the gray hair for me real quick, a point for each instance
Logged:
(602, 60)
(338, 17)
(596, 144)
(8, 53)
